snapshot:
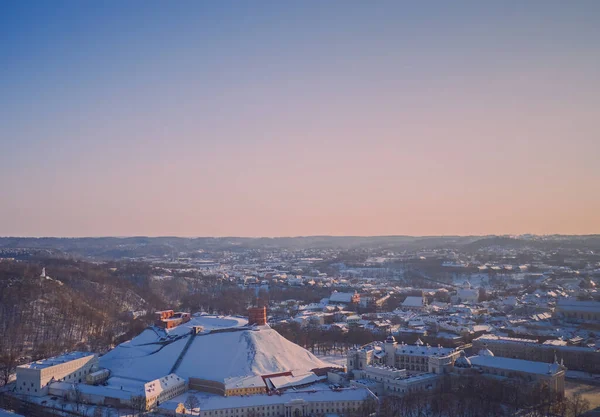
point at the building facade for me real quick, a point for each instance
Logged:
(34, 378)
(577, 358)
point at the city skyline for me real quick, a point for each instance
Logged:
(271, 119)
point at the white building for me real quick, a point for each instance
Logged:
(417, 358)
(163, 389)
(120, 392)
(344, 297)
(385, 380)
(486, 364)
(34, 378)
(466, 295)
(388, 369)
(315, 400)
(414, 303)
(579, 310)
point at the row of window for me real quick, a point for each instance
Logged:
(271, 410)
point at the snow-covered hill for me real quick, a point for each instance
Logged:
(227, 349)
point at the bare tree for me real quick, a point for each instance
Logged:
(191, 403)
(577, 405)
(138, 404)
(76, 396)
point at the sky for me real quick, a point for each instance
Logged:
(277, 118)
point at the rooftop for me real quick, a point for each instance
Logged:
(509, 364)
(57, 360)
(318, 393)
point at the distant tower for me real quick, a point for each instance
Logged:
(43, 274)
(257, 315)
(390, 350)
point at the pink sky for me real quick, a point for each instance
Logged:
(370, 122)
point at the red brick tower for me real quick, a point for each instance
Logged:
(257, 315)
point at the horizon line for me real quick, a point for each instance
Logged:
(509, 235)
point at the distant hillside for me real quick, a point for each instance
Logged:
(107, 248)
(134, 247)
(590, 242)
(78, 306)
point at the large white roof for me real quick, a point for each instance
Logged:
(510, 364)
(56, 360)
(413, 301)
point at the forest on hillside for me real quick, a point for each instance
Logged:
(93, 306)
(77, 306)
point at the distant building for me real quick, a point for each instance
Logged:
(344, 297)
(414, 303)
(467, 295)
(163, 389)
(34, 378)
(417, 358)
(97, 377)
(486, 364)
(168, 319)
(579, 310)
(577, 358)
(149, 394)
(391, 369)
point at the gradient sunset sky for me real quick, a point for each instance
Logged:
(281, 118)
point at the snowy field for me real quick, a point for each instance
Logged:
(336, 359)
(588, 392)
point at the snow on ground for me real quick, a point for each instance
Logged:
(583, 376)
(209, 322)
(337, 359)
(5, 413)
(142, 362)
(147, 336)
(588, 392)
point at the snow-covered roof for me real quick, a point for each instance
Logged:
(467, 292)
(509, 364)
(413, 301)
(6, 413)
(423, 350)
(341, 297)
(154, 388)
(287, 381)
(319, 393)
(573, 305)
(105, 391)
(56, 360)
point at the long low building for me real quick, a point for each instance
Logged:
(388, 368)
(121, 392)
(35, 377)
(577, 358)
(316, 400)
(579, 310)
(485, 363)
